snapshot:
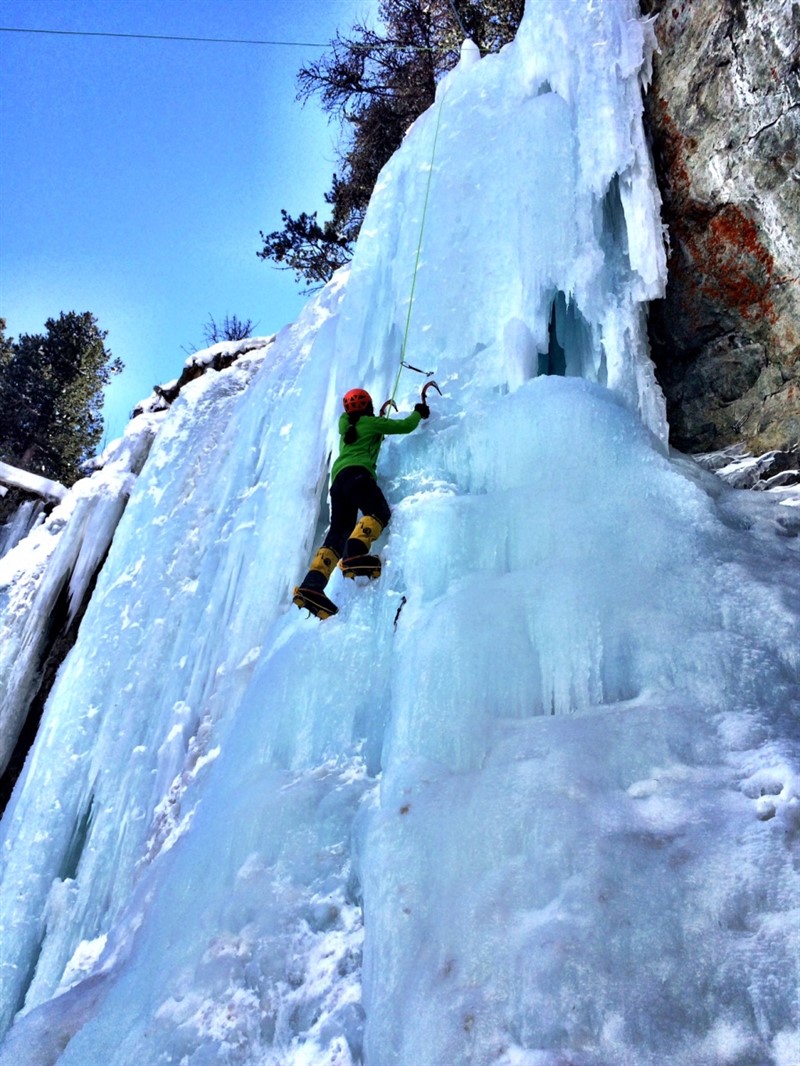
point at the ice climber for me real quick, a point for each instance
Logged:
(354, 489)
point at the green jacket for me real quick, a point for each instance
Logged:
(371, 430)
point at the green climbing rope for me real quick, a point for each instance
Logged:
(419, 250)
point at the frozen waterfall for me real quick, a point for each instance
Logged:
(530, 799)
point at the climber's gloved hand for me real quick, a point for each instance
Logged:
(423, 409)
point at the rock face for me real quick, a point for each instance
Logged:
(724, 119)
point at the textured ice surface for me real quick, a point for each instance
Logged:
(19, 525)
(530, 799)
(44, 581)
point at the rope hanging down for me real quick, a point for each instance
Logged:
(459, 20)
(428, 373)
(403, 362)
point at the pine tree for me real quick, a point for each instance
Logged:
(377, 81)
(51, 396)
(6, 349)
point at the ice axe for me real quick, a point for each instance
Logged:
(429, 385)
(390, 403)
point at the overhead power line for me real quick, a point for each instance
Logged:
(165, 37)
(198, 40)
(207, 40)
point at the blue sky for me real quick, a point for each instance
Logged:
(135, 175)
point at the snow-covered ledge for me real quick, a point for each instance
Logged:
(14, 478)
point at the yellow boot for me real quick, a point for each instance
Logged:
(367, 530)
(320, 569)
(309, 593)
(357, 560)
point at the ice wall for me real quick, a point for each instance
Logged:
(531, 797)
(19, 525)
(44, 583)
(542, 187)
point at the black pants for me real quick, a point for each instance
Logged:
(353, 490)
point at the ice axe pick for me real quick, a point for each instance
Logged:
(429, 385)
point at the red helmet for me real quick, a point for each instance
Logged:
(357, 401)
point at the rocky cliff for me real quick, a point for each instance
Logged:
(724, 117)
